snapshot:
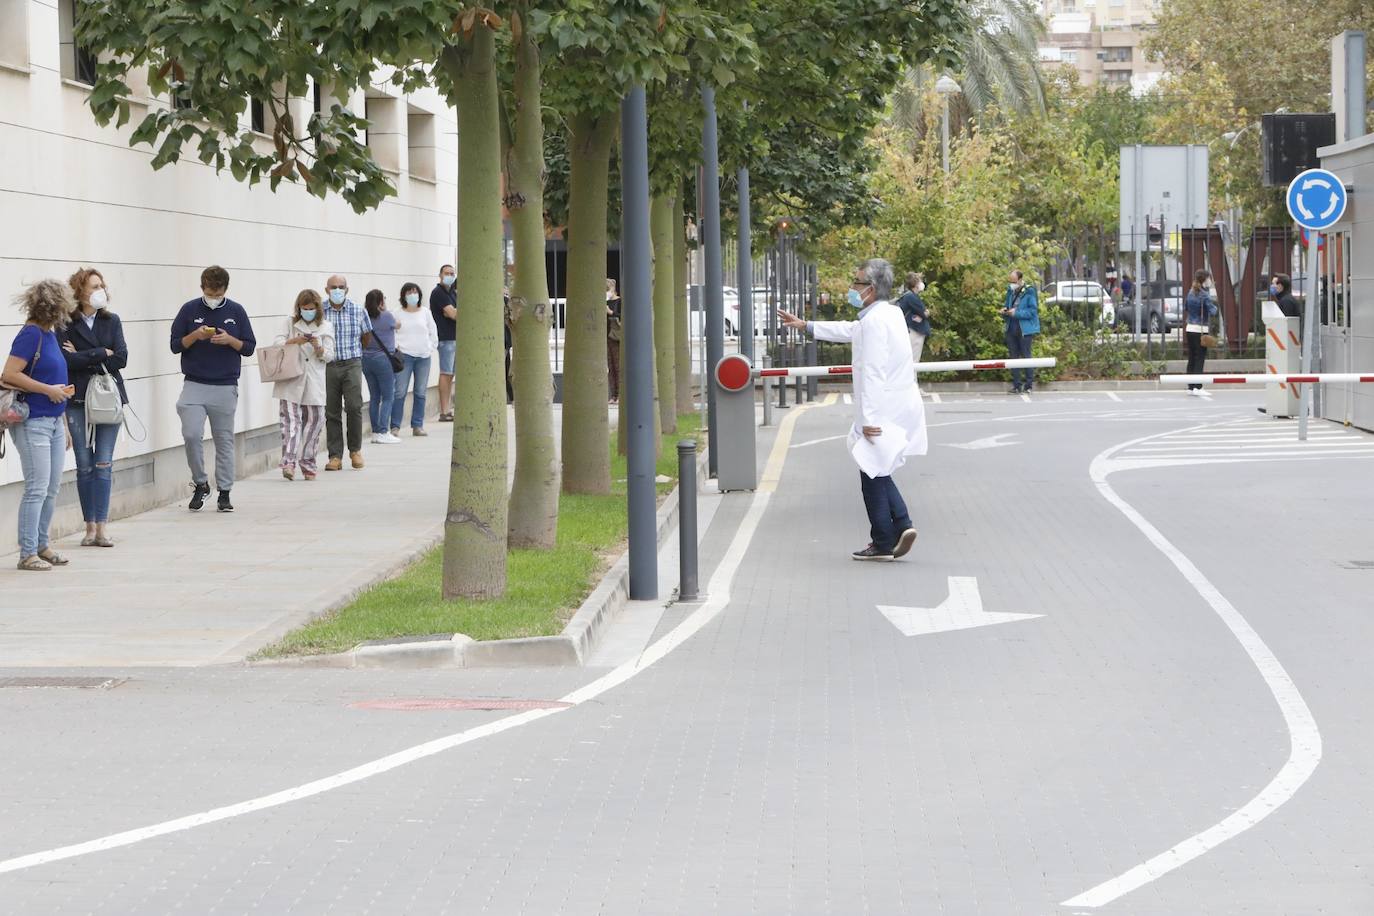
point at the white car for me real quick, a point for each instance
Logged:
(1079, 298)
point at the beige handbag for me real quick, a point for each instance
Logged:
(280, 362)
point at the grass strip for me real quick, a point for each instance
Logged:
(544, 587)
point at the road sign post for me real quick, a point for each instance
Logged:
(1316, 200)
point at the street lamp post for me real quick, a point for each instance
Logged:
(946, 87)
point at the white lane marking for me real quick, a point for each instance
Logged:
(935, 397)
(819, 441)
(1305, 740)
(849, 399)
(1113, 396)
(1025, 397)
(961, 610)
(718, 589)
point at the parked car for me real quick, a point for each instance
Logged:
(1162, 308)
(1080, 299)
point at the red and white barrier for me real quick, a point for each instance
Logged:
(971, 365)
(1292, 378)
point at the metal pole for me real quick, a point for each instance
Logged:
(1309, 329)
(715, 295)
(687, 520)
(767, 383)
(745, 281)
(785, 298)
(811, 355)
(944, 131)
(637, 316)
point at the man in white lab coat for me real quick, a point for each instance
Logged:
(890, 421)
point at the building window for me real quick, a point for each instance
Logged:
(257, 115)
(421, 141)
(384, 138)
(1117, 55)
(78, 64)
(14, 32)
(1069, 57)
(1117, 77)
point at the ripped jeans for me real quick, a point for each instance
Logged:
(94, 466)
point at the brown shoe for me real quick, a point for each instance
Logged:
(418, 431)
(357, 458)
(334, 464)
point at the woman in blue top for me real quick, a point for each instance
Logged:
(1198, 310)
(36, 366)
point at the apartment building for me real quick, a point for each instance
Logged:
(1102, 40)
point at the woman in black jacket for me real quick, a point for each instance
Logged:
(94, 340)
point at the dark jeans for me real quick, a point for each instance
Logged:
(343, 394)
(1019, 347)
(887, 515)
(1197, 354)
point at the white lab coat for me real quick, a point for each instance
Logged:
(885, 392)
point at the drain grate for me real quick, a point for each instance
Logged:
(80, 683)
(422, 703)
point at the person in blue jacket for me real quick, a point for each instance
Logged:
(1198, 309)
(212, 335)
(1021, 314)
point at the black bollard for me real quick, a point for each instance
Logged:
(687, 520)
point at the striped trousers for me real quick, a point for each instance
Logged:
(300, 434)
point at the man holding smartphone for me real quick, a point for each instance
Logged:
(213, 335)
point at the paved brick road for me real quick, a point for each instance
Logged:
(799, 755)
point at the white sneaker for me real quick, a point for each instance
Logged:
(389, 439)
(378, 438)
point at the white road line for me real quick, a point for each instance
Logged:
(1305, 740)
(849, 399)
(718, 589)
(935, 397)
(1248, 445)
(1114, 396)
(819, 441)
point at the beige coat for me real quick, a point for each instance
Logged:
(885, 392)
(308, 387)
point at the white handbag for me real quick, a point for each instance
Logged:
(280, 362)
(104, 406)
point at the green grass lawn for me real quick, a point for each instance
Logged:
(544, 587)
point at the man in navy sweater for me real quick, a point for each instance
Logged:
(213, 335)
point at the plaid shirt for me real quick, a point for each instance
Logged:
(350, 324)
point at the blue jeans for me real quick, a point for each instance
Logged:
(381, 389)
(42, 444)
(1019, 347)
(94, 467)
(448, 350)
(419, 368)
(887, 515)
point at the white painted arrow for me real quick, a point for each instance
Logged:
(962, 610)
(1331, 207)
(989, 442)
(1317, 182)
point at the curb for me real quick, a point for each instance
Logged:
(568, 649)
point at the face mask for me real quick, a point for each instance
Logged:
(412, 299)
(307, 314)
(1274, 290)
(212, 302)
(448, 279)
(1011, 287)
(920, 287)
(337, 296)
(99, 298)
(856, 299)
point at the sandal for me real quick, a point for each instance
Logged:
(35, 563)
(51, 556)
(101, 541)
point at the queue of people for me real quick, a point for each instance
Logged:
(71, 348)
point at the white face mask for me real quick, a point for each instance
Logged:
(99, 298)
(920, 287)
(212, 302)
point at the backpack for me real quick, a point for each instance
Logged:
(104, 407)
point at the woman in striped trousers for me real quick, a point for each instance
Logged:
(302, 398)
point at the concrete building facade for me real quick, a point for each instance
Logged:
(74, 194)
(1102, 40)
(1346, 286)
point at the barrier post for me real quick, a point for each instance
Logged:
(767, 389)
(687, 520)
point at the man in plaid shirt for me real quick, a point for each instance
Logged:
(343, 378)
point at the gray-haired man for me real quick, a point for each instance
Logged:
(890, 421)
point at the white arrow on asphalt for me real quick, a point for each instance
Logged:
(989, 442)
(962, 610)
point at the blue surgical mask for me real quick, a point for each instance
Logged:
(337, 296)
(855, 299)
(448, 279)
(1274, 290)
(308, 314)
(412, 299)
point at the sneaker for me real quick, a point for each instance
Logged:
(202, 490)
(871, 553)
(904, 543)
(396, 431)
(288, 473)
(418, 431)
(224, 504)
(1015, 389)
(357, 459)
(334, 464)
(378, 438)
(389, 439)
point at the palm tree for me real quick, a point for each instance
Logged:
(1000, 66)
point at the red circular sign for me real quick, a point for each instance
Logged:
(733, 373)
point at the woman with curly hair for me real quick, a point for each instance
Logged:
(36, 366)
(94, 344)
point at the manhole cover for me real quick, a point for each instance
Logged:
(87, 683)
(423, 703)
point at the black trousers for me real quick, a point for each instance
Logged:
(887, 513)
(1197, 354)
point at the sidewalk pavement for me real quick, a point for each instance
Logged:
(184, 589)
